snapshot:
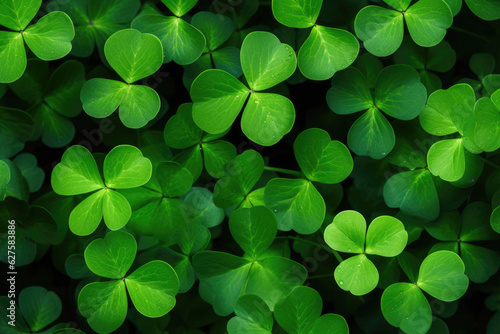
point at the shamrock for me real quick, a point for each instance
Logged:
(77, 173)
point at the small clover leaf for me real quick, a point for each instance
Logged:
(152, 287)
(320, 158)
(252, 315)
(134, 56)
(398, 93)
(300, 312)
(181, 132)
(386, 236)
(414, 192)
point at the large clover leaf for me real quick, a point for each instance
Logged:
(386, 236)
(398, 93)
(326, 50)
(219, 97)
(382, 29)
(182, 42)
(77, 173)
(224, 277)
(49, 39)
(152, 287)
(133, 56)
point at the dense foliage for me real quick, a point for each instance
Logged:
(246, 166)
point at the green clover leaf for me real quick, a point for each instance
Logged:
(49, 39)
(77, 173)
(386, 236)
(134, 56)
(152, 287)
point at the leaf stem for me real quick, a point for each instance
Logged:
(492, 164)
(328, 249)
(470, 33)
(282, 170)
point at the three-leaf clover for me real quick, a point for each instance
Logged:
(439, 58)
(37, 308)
(134, 56)
(95, 21)
(219, 97)
(398, 93)
(16, 128)
(157, 209)
(296, 202)
(326, 50)
(242, 173)
(441, 275)
(203, 149)
(152, 287)
(182, 42)
(53, 99)
(446, 113)
(35, 230)
(458, 231)
(49, 39)
(77, 173)
(224, 277)
(386, 236)
(382, 29)
(217, 30)
(300, 312)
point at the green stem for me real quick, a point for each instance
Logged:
(282, 170)
(328, 249)
(470, 33)
(492, 164)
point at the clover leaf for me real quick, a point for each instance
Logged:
(382, 29)
(300, 312)
(458, 231)
(414, 192)
(454, 109)
(152, 287)
(16, 128)
(242, 173)
(217, 29)
(398, 93)
(36, 229)
(54, 102)
(77, 173)
(386, 236)
(439, 58)
(486, 10)
(133, 56)
(182, 133)
(267, 117)
(181, 41)
(296, 202)
(34, 175)
(157, 210)
(441, 275)
(224, 277)
(326, 50)
(49, 38)
(252, 316)
(95, 21)
(37, 308)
